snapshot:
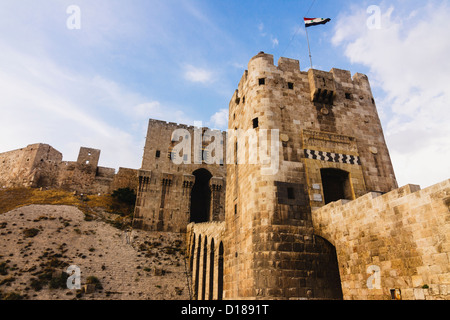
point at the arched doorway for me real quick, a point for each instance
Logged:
(336, 185)
(201, 197)
(326, 276)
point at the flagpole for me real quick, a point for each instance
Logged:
(309, 48)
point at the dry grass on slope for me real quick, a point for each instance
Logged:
(43, 232)
(90, 205)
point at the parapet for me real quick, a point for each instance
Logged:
(155, 124)
(268, 58)
(286, 64)
(323, 87)
(265, 61)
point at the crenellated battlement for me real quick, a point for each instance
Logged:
(157, 124)
(323, 86)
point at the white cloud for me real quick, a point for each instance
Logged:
(144, 109)
(219, 120)
(44, 102)
(200, 75)
(408, 60)
(261, 27)
(57, 86)
(274, 42)
(155, 110)
(51, 87)
(238, 65)
(261, 30)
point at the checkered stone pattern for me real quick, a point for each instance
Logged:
(332, 157)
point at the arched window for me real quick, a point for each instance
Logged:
(326, 277)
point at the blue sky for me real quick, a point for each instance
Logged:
(181, 61)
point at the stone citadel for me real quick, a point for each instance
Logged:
(329, 223)
(298, 200)
(41, 166)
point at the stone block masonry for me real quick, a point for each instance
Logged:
(330, 223)
(400, 241)
(33, 166)
(170, 195)
(41, 166)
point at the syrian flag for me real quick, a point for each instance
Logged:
(309, 22)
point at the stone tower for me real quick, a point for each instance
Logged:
(324, 134)
(173, 194)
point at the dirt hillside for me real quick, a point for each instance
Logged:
(39, 242)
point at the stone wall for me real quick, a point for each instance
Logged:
(166, 187)
(125, 178)
(33, 166)
(397, 242)
(41, 166)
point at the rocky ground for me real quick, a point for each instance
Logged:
(39, 242)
